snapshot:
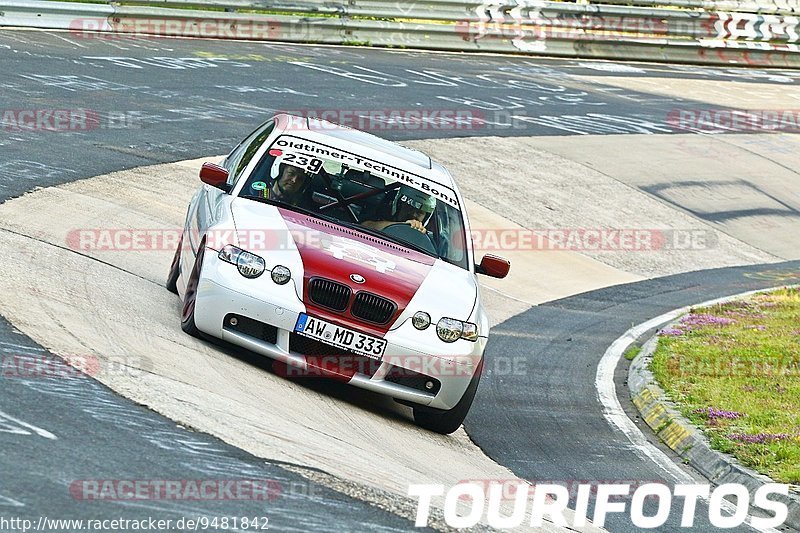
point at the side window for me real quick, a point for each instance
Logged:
(238, 159)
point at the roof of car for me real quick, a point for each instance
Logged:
(342, 136)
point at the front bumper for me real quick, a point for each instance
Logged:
(222, 292)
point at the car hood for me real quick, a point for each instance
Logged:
(360, 261)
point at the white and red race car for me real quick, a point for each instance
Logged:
(340, 254)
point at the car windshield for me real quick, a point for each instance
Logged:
(364, 195)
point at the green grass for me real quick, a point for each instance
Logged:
(749, 367)
(632, 351)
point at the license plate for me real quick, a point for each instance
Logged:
(346, 338)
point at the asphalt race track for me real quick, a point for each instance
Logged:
(165, 100)
(161, 101)
(104, 436)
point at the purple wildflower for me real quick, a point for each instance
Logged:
(759, 438)
(671, 332)
(759, 328)
(714, 414)
(706, 320)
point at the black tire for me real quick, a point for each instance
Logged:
(175, 269)
(190, 295)
(447, 421)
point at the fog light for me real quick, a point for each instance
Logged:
(429, 385)
(281, 275)
(233, 321)
(421, 320)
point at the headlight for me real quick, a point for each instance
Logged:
(450, 330)
(249, 265)
(421, 320)
(281, 275)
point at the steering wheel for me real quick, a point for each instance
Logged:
(405, 232)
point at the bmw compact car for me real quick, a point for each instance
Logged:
(343, 255)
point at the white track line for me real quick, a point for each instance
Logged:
(39, 431)
(79, 45)
(612, 409)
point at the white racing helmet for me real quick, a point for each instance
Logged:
(416, 199)
(277, 168)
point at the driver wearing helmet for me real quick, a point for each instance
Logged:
(286, 183)
(289, 186)
(410, 207)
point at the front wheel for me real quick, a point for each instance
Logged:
(190, 295)
(446, 421)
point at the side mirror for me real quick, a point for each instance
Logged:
(215, 176)
(494, 266)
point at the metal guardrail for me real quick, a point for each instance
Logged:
(763, 7)
(604, 31)
(451, 8)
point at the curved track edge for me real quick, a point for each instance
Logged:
(683, 437)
